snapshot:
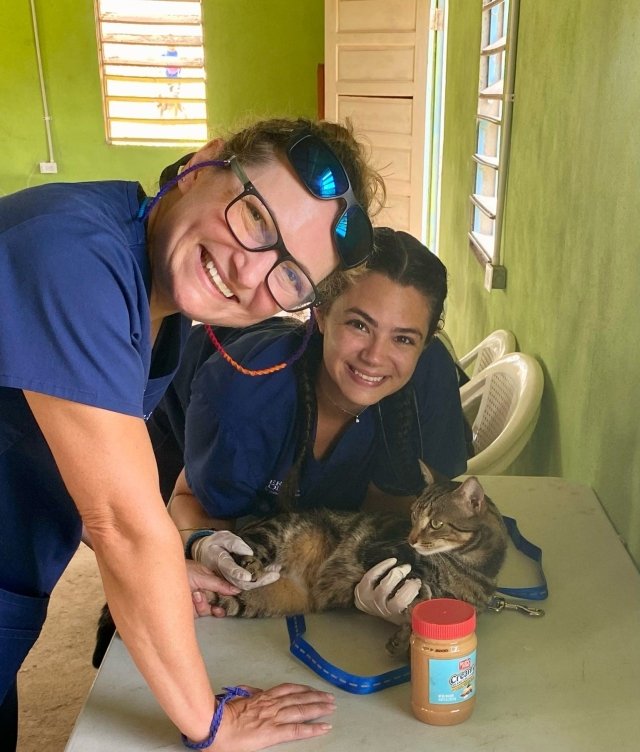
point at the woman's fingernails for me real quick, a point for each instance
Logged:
(197, 596)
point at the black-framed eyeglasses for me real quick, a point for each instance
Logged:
(254, 226)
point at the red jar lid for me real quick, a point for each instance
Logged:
(443, 619)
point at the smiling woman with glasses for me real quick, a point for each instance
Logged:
(98, 288)
(255, 228)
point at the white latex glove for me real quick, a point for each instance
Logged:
(374, 595)
(214, 551)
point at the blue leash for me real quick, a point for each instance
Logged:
(364, 685)
(359, 685)
(538, 592)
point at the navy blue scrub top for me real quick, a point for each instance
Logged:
(74, 292)
(239, 433)
(74, 324)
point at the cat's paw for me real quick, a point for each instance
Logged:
(398, 643)
(257, 569)
(251, 564)
(425, 594)
(229, 603)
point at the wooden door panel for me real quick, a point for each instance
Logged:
(375, 76)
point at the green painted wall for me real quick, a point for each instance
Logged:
(261, 60)
(271, 52)
(571, 236)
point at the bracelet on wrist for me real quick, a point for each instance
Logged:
(193, 538)
(230, 694)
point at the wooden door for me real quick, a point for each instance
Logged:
(375, 75)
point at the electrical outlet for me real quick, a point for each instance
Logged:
(49, 167)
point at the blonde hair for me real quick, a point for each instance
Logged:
(260, 141)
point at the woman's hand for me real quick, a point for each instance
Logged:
(272, 716)
(214, 551)
(376, 592)
(203, 582)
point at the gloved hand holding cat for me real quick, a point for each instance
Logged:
(376, 594)
(214, 551)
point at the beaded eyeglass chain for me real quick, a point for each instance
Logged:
(148, 203)
(263, 371)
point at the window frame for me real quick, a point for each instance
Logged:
(123, 90)
(487, 247)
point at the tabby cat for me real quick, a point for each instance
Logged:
(455, 542)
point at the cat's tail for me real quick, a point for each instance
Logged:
(105, 631)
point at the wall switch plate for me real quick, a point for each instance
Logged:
(48, 167)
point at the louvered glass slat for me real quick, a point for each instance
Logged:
(162, 40)
(172, 56)
(490, 109)
(486, 204)
(483, 241)
(153, 89)
(488, 4)
(175, 10)
(140, 72)
(492, 162)
(157, 133)
(161, 109)
(498, 46)
(146, 33)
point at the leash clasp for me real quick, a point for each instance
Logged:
(498, 604)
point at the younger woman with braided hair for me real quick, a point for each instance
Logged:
(343, 428)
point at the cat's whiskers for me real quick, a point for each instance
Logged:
(440, 557)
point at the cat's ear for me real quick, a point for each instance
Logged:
(431, 476)
(473, 494)
(428, 476)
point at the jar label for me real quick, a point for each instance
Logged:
(452, 680)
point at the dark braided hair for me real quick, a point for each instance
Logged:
(404, 260)
(306, 370)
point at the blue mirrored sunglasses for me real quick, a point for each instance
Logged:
(324, 176)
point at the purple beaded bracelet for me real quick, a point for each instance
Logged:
(230, 693)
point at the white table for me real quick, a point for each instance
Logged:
(569, 681)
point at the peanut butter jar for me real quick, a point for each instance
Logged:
(443, 661)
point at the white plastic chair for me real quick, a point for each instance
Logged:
(502, 404)
(495, 345)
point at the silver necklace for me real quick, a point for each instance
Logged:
(356, 416)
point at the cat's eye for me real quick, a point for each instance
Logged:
(436, 524)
